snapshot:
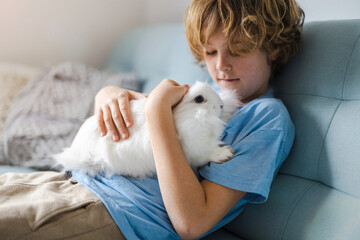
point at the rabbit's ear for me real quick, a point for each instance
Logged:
(229, 97)
(231, 102)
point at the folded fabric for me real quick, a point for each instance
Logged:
(13, 77)
(46, 115)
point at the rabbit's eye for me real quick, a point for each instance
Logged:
(199, 99)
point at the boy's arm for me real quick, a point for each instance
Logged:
(193, 207)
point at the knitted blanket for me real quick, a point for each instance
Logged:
(46, 115)
(13, 77)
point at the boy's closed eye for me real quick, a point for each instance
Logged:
(210, 53)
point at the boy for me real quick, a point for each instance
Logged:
(242, 43)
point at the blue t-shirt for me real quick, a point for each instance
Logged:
(261, 134)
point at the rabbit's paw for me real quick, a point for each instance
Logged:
(222, 154)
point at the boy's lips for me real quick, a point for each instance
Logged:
(228, 79)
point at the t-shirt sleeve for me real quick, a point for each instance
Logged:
(261, 142)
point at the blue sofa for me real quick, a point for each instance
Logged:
(316, 194)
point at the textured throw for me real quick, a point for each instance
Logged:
(46, 115)
(13, 77)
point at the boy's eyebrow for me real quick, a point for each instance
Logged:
(205, 45)
(208, 44)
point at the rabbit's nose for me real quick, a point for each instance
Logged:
(221, 106)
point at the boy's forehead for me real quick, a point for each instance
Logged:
(220, 38)
(216, 38)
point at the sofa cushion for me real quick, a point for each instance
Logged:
(319, 88)
(300, 209)
(15, 169)
(221, 234)
(328, 62)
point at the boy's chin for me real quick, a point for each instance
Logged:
(226, 84)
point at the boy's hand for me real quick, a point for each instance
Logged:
(112, 107)
(167, 94)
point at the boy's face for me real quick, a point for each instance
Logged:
(249, 74)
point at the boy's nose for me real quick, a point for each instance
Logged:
(223, 64)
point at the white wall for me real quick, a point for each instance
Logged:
(317, 10)
(173, 10)
(158, 11)
(41, 32)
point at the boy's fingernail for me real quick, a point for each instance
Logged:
(123, 135)
(114, 137)
(128, 124)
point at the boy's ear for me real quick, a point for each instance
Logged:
(272, 57)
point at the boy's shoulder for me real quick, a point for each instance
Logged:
(265, 105)
(263, 112)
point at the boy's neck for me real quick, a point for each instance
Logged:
(259, 93)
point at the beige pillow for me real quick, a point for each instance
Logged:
(13, 77)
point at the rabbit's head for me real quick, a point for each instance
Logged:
(200, 100)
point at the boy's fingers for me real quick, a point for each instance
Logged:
(109, 123)
(125, 112)
(117, 118)
(101, 124)
(171, 82)
(186, 86)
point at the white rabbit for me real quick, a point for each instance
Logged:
(198, 123)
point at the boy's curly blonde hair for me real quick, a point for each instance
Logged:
(274, 26)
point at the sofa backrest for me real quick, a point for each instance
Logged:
(322, 90)
(317, 193)
(157, 52)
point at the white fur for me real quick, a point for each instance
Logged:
(199, 127)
